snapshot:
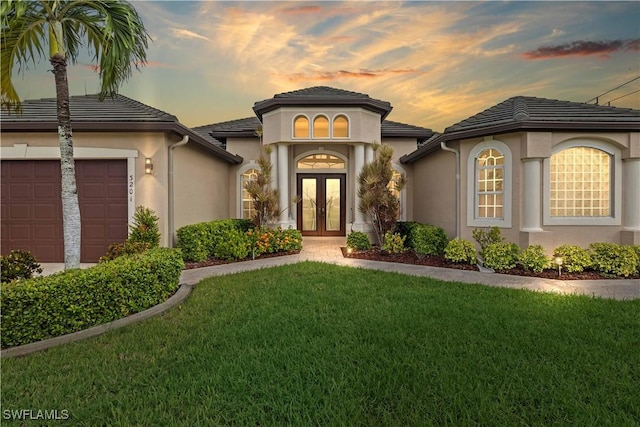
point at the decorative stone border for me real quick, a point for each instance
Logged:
(179, 297)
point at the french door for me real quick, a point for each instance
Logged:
(322, 209)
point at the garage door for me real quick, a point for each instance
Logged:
(32, 209)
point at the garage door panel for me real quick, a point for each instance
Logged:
(32, 209)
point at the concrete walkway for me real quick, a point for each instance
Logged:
(327, 250)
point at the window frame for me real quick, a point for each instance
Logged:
(333, 122)
(472, 186)
(615, 183)
(293, 127)
(313, 127)
(240, 183)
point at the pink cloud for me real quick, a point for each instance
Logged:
(344, 74)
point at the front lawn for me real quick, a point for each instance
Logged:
(318, 344)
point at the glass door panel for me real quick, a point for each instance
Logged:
(309, 204)
(332, 204)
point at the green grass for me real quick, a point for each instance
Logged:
(316, 344)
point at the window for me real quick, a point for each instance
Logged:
(580, 183)
(321, 127)
(340, 127)
(301, 127)
(321, 161)
(489, 185)
(395, 179)
(246, 209)
(583, 184)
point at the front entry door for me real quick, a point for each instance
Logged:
(322, 209)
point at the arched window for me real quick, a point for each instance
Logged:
(301, 127)
(393, 187)
(246, 209)
(489, 185)
(580, 181)
(321, 127)
(321, 161)
(340, 127)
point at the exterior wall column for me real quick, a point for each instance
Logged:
(359, 159)
(630, 201)
(532, 195)
(283, 184)
(368, 153)
(274, 165)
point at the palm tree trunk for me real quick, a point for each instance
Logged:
(70, 205)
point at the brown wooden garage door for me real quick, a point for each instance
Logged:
(32, 209)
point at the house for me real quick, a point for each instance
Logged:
(127, 154)
(546, 172)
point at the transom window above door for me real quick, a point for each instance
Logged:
(321, 161)
(321, 127)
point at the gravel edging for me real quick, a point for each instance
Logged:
(180, 296)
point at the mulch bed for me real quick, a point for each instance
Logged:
(410, 257)
(188, 265)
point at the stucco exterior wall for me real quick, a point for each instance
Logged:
(201, 184)
(433, 188)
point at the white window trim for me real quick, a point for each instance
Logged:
(26, 152)
(293, 128)
(472, 207)
(615, 192)
(251, 165)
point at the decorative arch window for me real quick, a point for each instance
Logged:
(247, 210)
(321, 127)
(301, 127)
(341, 126)
(489, 185)
(582, 181)
(321, 161)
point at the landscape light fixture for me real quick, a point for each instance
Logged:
(559, 264)
(148, 166)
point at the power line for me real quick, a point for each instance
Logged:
(623, 96)
(595, 98)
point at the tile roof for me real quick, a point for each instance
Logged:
(322, 96)
(525, 113)
(118, 114)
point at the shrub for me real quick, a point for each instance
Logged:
(18, 265)
(393, 243)
(637, 249)
(50, 306)
(611, 258)
(460, 251)
(271, 240)
(501, 256)
(533, 258)
(127, 248)
(487, 237)
(574, 258)
(404, 229)
(234, 245)
(428, 239)
(145, 228)
(359, 241)
(199, 241)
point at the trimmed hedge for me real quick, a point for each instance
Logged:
(501, 256)
(73, 300)
(533, 258)
(198, 241)
(610, 258)
(359, 241)
(461, 251)
(574, 258)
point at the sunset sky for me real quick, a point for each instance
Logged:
(435, 62)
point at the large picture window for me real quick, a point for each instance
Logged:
(489, 185)
(583, 184)
(580, 179)
(322, 127)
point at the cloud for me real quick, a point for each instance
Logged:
(342, 74)
(186, 34)
(301, 10)
(150, 64)
(583, 48)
